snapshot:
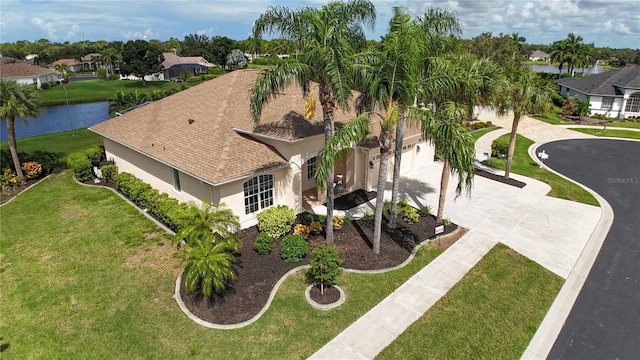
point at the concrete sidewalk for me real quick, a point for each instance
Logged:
(560, 235)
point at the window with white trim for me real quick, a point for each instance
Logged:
(258, 193)
(311, 168)
(633, 103)
(176, 179)
(607, 102)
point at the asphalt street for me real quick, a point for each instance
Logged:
(604, 322)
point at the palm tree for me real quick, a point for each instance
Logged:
(209, 223)
(559, 53)
(454, 145)
(573, 43)
(525, 94)
(16, 100)
(439, 29)
(330, 38)
(211, 241)
(63, 69)
(109, 56)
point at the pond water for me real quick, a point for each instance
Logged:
(554, 69)
(58, 118)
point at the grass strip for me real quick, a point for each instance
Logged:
(625, 134)
(61, 143)
(523, 164)
(478, 133)
(85, 276)
(492, 313)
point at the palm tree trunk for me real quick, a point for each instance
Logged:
(396, 170)
(512, 145)
(444, 183)
(382, 181)
(11, 136)
(328, 106)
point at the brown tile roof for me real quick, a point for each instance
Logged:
(171, 59)
(22, 69)
(69, 62)
(209, 148)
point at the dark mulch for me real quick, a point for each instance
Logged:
(353, 199)
(499, 178)
(331, 295)
(257, 274)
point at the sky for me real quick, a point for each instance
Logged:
(606, 23)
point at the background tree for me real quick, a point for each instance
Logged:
(526, 93)
(16, 100)
(63, 69)
(141, 58)
(330, 38)
(236, 59)
(221, 46)
(109, 56)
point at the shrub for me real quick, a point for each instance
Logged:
(263, 244)
(102, 73)
(80, 165)
(95, 154)
(368, 215)
(277, 220)
(403, 203)
(315, 227)
(108, 172)
(446, 221)
(45, 86)
(499, 148)
(293, 248)
(133, 188)
(386, 206)
(337, 222)
(411, 215)
(425, 210)
(325, 265)
(47, 160)
(9, 180)
(31, 169)
(302, 230)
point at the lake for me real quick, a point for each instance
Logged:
(58, 118)
(554, 69)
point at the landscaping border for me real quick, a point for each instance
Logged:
(20, 193)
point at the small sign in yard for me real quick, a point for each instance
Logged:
(439, 229)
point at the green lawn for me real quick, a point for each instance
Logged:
(627, 134)
(551, 118)
(62, 143)
(478, 133)
(492, 313)
(624, 124)
(101, 90)
(524, 165)
(86, 276)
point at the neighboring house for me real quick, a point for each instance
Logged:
(614, 93)
(25, 73)
(538, 55)
(175, 65)
(201, 144)
(89, 62)
(74, 65)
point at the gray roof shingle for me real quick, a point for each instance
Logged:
(605, 83)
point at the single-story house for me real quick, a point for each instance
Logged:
(74, 65)
(175, 65)
(539, 55)
(614, 93)
(201, 143)
(25, 73)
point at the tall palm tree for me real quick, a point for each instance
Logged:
(211, 241)
(330, 38)
(439, 29)
(109, 56)
(454, 145)
(560, 52)
(573, 42)
(63, 69)
(525, 94)
(16, 100)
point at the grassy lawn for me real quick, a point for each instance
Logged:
(492, 313)
(551, 118)
(86, 276)
(524, 165)
(625, 124)
(478, 133)
(101, 90)
(627, 134)
(62, 143)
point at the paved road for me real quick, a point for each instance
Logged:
(604, 322)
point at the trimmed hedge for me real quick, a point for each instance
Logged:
(276, 221)
(80, 164)
(108, 172)
(499, 148)
(263, 244)
(293, 248)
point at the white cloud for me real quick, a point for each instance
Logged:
(138, 35)
(47, 26)
(623, 29)
(75, 29)
(496, 18)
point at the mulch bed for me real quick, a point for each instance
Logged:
(353, 199)
(499, 178)
(257, 274)
(330, 296)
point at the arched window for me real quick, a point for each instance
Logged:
(633, 103)
(258, 193)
